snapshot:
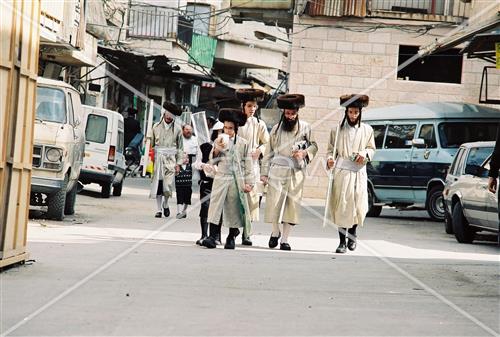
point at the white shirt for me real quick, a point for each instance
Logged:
(190, 145)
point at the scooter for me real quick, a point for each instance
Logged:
(133, 156)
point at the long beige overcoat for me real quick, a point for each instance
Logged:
(255, 133)
(349, 194)
(286, 175)
(163, 135)
(225, 197)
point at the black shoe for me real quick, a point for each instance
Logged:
(230, 240)
(341, 249)
(166, 212)
(200, 240)
(246, 242)
(158, 215)
(285, 246)
(351, 244)
(273, 241)
(209, 242)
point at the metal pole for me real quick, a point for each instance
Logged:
(145, 157)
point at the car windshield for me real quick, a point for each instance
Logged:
(478, 155)
(50, 105)
(454, 134)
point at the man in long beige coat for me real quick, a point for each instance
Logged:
(255, 133)
(354, 146)
(290, 149)
(233, 178)
(166, 138)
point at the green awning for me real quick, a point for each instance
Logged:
(202, 50)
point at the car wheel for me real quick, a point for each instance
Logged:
(56, 202)
(448, 223)
(69, 206)
(463, 232)
(105, 190)
(435, 203)
(373, 211)
(117, 190)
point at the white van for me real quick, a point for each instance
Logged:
(58, 147)
(104, 159)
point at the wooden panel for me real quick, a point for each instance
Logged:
(20, 27)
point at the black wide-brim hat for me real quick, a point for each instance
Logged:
(354, 100)
(291, 101)
(232, 115)
(245, 95)
(172, 108)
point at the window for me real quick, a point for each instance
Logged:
(456, 161)
(201, 16)
(428, 134)
(379, 134)
(50, 105)
(444, 67)
(97, 128)
(452, 135)
(477, 155)
(71, 115)
(399, 136)
(121, 141)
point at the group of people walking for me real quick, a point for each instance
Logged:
(242, 159)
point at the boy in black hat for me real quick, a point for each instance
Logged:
(233, 178)
(255, 133)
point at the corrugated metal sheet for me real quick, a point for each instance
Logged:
(337, 8)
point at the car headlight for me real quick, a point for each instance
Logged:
(53, 155)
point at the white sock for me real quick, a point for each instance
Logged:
(276, 230)
(165, 202)
(286, 231)
(185, 207)
(179, 208)
(159, 199)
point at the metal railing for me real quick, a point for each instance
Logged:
(418, 9)
(454, 8)
(152, 22)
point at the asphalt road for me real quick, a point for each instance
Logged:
(114, 270)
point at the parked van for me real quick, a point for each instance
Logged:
(416, 144)
(59, 143)
(104, 161)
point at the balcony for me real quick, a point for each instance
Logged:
(158, 23)
(432, 10)
(454, 11)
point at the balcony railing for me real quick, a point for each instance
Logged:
(429, 8)
(153, 22)
(435, 10)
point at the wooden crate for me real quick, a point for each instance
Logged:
(19, 33)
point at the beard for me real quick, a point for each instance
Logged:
(289, 124)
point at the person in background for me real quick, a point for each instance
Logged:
(184, 180)
(166, 139)
(207, 172)
(131, 126)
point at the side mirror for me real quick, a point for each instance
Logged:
(418, 143)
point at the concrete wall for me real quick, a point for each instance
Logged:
(328, 62)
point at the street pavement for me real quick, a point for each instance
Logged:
(115, 270)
